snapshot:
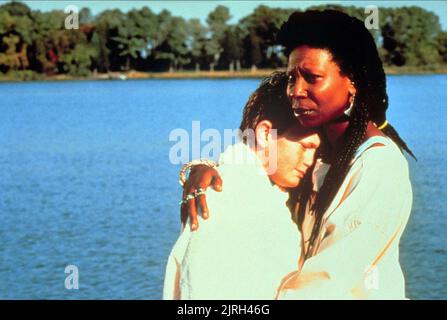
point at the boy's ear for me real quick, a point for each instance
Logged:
(263, 133)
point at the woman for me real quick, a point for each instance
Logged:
(354, 206)
(274, 155)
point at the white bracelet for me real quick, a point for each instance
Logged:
(193, 195)
(206, 162)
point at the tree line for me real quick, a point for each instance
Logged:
(38, 42)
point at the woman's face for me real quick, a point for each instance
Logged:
(319, 93)
(295, 152)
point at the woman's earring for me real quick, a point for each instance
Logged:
(351, 106)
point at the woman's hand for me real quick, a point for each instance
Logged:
(201, 176)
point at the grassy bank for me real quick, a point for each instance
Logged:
(32, 76)
(416, 70)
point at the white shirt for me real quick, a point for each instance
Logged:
(358, 252)
(246, 246)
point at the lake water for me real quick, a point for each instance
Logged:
(85, 180)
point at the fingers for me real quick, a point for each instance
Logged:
(192, 213)
(188, 207)
(200, 177)
(202, 206)
(183, 214)
(217, 183)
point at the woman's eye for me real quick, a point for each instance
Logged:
(310, 77)
(314, 78)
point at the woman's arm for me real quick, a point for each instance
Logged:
(342, 271)
(201, 176)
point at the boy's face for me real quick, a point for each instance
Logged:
(295, 152)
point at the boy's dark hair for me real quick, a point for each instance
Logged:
(269, 102)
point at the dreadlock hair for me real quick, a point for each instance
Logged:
(269, 102)
(354, 50)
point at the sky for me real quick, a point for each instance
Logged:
(238, 9)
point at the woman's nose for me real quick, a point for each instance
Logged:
(298, 89)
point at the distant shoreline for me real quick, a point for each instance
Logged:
(219, 74)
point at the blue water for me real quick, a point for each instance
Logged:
(85, 180)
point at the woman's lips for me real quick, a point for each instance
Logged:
(303, 112)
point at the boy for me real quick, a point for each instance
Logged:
(251, 242)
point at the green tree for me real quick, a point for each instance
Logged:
(85, 16)
(140, 35)
(196, 41)
(172, 39)
(129, 40)
(442, 46)
(43, 52)
(77, 62)
(16, 9)
(254, 44)
(410, 37)
(15, 36)
(107, 26)
(58, 50)
(217, 23)
(113, 40)
(260, 29)
(232, 51)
